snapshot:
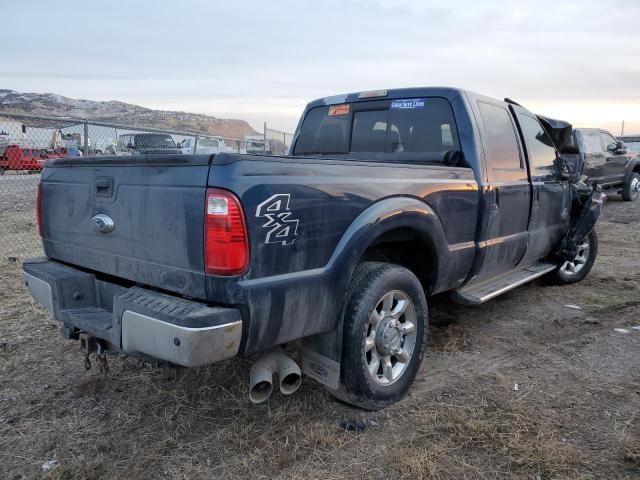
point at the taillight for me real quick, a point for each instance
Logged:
(39, 208)
(226, 247)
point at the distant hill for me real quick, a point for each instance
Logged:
(120, 112)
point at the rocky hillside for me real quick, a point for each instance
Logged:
(120, 112)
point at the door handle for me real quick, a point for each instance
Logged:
(495, 203)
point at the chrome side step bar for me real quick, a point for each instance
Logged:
(477, 293)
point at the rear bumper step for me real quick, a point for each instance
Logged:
(134, 320)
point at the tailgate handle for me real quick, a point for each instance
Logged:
(104, 187)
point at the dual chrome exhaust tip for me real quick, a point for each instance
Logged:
(270, 364)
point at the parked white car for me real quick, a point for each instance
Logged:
(205, 145)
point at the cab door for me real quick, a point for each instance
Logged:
(549, 219)
(507, 193)
(616, 162)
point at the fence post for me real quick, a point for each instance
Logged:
(86, 138)
(195, 144)
(264, 139)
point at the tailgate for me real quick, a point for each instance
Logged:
(156, 204)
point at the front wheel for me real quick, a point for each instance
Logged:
(632, 188)
(577, 269)
(384, 335)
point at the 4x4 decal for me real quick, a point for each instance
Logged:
(282, 227)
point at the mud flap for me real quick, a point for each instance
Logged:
(589, 205)
(321, 355)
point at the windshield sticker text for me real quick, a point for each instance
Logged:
(408, 104)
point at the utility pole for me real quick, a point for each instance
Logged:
(86, 138)
(622, 131)
(264, 139)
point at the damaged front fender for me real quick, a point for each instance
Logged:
(587, 201)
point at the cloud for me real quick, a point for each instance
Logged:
(264, 60)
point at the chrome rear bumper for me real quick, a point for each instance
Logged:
(134, 320)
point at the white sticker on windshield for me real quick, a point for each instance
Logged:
(408, 104)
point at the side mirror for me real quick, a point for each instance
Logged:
(621, 148)
(566, 166)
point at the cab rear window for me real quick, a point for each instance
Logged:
(394, 128)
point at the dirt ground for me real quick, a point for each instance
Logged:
(18, 230)
(575, 413)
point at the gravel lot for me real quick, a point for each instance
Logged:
(575, 413)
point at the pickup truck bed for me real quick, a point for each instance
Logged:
(158, 205)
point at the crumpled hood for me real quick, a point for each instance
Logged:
(559, 130)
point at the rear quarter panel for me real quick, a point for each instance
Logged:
(300, 214)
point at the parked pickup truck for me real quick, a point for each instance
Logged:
(606, 160)
(387, 198)
(146, 144)
(18, 158)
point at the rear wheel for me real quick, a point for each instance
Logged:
(578, 268)
(632, 188)
(384, 335)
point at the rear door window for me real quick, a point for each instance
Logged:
(390, 129)
(502, 153)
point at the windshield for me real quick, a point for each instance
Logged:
(153, 140)
(394, 128)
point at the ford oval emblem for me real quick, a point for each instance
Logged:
(103, 223)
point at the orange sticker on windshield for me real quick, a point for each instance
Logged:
(339, 109)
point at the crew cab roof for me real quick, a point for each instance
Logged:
(559, 130)
(446, 92)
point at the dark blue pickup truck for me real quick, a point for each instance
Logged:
(388, 197)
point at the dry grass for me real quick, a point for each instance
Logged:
(153, 421)
(575, 416)
(18, 234)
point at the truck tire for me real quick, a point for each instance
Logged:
(631, 190)
(579, 268)
(384, 335)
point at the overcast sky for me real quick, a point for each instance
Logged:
(264, 60)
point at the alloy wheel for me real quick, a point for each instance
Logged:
(391, 337)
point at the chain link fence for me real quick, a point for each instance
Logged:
(275, 141)
(27, 141)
